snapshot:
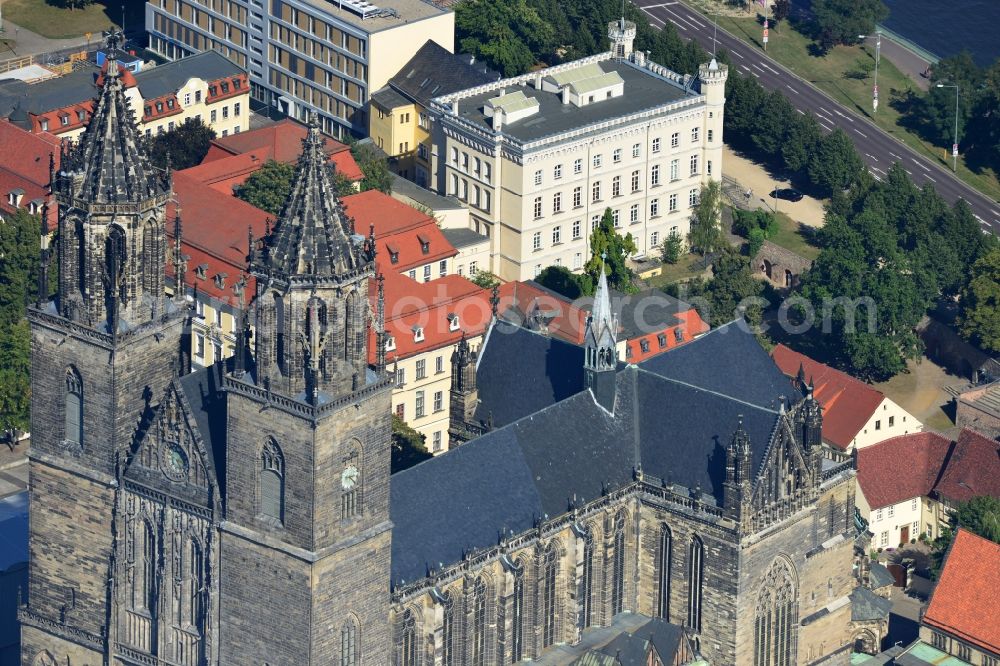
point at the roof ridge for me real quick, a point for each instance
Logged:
(706, 390)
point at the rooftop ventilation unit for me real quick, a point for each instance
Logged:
(364, 9)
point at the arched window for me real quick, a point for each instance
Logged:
(775, 617)
(517, 613)
(664, 562)
(408, 631)
(618, 566)
(151, 255)
(279, 328)
(448, 631)
(588, 578)
(115, 258)
(44, 659)
(351, 483)
(696, 570)
(272, 482)
(478, 633)
(193, 582)
(349, 643)
(74, 406)
(144, 577)
(549, 568)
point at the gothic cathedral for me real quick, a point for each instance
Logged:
(241, 514)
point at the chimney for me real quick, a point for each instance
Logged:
(538, 81)
(497, 120)
(454, 107)
(565, 94)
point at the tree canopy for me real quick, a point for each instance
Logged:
(268, 187)
(980, 515)
(609, 250)
(981, 303)
(408, 446)
(185, 146)
(706, 234)
(560, 280)
(373, 165)
(841, 21)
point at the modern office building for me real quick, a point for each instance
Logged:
(305, 55)
(540, 157)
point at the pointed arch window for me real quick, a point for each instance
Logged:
(272, 482)
(478, 632)
(115, 257)
(194, 580)
(144, 572)
(349, 643)
(549, 571)
(696, 570)
(448, 631)
(74, 406)
(517, 613)
(408, 631)
(775, 618)
(663, 564)
(588, 579)
(618, 565)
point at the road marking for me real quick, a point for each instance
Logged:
(694, 20)
(872, 156)
(860, 132)
(690, 21)
(792, 89)
(755, 74)
(753, 64)
(931, 179)
(828, 129)
(801, 111)
(826, 118)
(907, 171)
(995, 212)
(656, 18)
(981, 220)
(919, 164)
(895, 155)
(824, 110)
(738, 54)
(765, 66)
(843, 116)
(879, 170)
(875, 176)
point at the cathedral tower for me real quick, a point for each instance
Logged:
(102, 352)
(600, 346)
(307, 462)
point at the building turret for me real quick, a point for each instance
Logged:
(312, 288)
(464, 396)
(601, 356)
(712, 84)
(737, 487)
(621, 35)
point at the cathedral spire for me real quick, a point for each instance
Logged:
(313, 236)
(601, 355)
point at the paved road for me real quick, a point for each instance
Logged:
(878, 149)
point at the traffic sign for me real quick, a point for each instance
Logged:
(954, 150)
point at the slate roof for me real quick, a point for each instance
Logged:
(644, 91)
(729, 361)
(880, 576)
(629, 648)
(389, 98)
(435, 71)
(885, 479)
(460, 238)
(202, 388)
(966, 591)
(168, 78)
(972, 469)
(848, 403)
(73, 88)
(520, 372)
(539, 464)
(867, 606)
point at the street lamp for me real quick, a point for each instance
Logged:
(954, 146)
(878, 51)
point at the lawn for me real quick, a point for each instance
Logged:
(839, 74)
(790, 236)
(59, 23)
(689, 266)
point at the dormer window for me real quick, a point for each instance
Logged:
(34, 206)
(390, 343)
(236, 84)
(453, 322)
(418, 333)
(14, 197)
(149, 110)
(225, 88)
(44, 124)
(220, 280)
(170, 103)
(662, 339)
(200, 271)
(644, 346)
(211, 91)
(679, 334)
(64, 119)
(425, 244)
(394, 257)
(159, 107)
(81, 115)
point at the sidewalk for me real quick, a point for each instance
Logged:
(31, 43)
(808, 211)
(909, 63)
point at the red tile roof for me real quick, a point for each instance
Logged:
(847, 402)
(24, 165)
(966, 592)
(973, 468)
(428, 305)
(281, 141)
(901, 468)
(692, 325)
(568, 322)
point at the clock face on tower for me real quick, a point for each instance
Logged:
(349, 477)
(174, 462)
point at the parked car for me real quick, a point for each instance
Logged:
(786, 193)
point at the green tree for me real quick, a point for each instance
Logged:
(780, 10)
(733, 290)
(673, 248)
(981, 303)
(980, 515)
(560, 280)
(374, 166)
(185, 146)
(408, 446)
(485, 279)
(610, 250)
(746, 221)
(507, 34)
(268, 187)
(706, 221)
(841, 21)
(755, 241)
(835, 165)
